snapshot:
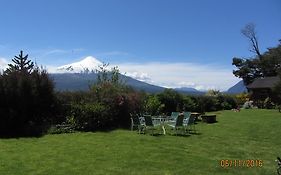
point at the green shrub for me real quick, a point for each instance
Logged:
(189, 104)
(210, 103)
(59, 129)
(153, 105)
(172, 101)
(215, 103)
(89, 117)
(229, 102)
(105, 106)
(226, 106)
(268, 104)
(27, 100)
(242, 98)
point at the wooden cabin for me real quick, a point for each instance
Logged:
(261, 88)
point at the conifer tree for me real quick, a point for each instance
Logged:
(27, 99)
(22, 64)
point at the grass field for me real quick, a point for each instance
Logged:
(249, 134)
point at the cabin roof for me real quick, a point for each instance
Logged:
(265, 82)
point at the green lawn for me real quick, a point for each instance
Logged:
(249, 134)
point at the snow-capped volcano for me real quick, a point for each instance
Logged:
(87, 64)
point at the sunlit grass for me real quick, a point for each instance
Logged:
(249, 134)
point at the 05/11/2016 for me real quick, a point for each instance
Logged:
(247, 163)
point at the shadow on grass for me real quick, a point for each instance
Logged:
(180, 135)
(209, 123)
(196, 133)
(168, 134)
(20, 136)
(155, 134)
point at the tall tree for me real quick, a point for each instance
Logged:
(270, 63)
(21, 63)
(27, 99)
(261, 65)
(249, 31)
(247, 69)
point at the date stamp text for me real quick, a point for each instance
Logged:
(247, 163)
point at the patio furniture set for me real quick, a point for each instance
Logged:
(179, 123)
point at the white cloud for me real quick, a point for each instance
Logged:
(51, 69)
(186, 84)
(139, 76)
(3, 63)
(198, 76)
(55, 51)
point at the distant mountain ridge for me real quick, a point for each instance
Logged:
(82, 82)
(237, 88)
(188, 90)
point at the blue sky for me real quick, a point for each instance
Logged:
(143, 37)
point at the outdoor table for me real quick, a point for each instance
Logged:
(196, 114)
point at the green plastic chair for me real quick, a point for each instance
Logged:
(136, 124)
(149, 126)
(191, 123)
(178, 125)
(186, 119)
(174, 115)
(186, 115)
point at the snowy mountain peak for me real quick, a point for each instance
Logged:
(87, 64)
(89, 60)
